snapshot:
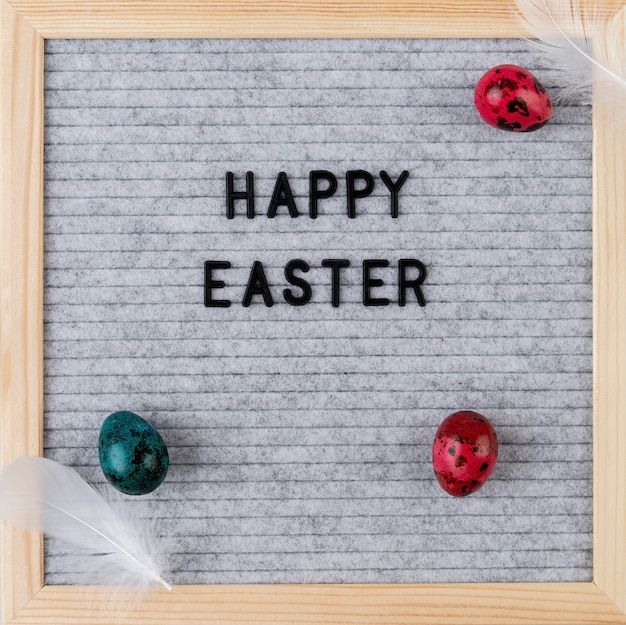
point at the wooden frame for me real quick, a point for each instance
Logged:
(25, 600)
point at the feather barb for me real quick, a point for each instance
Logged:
(45, 496)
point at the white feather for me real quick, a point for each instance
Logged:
(42, 495)
(585, 46)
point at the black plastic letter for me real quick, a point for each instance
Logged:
(210, 284)
(394, 188)
(232, 195)
(301, 283)
(369, 283)
(282, 196)
(415, 284)
(353, 193)
(336, 264)
(315, 193)
(257, 285)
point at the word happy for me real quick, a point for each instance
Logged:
(409, 275)
(359, 184)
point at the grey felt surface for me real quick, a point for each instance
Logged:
(300, 437)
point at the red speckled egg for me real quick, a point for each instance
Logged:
(511, 98)
(465, 452)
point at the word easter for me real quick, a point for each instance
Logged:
(258, 284)
(359, 184)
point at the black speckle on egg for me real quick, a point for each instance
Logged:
(536, 126)
(540, 88)
(508, 83)
(505, 125)
(518, 105)
(133, 456)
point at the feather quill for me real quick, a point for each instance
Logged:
(584, 46)
(42, 495)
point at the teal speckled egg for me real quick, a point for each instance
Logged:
(133, 456)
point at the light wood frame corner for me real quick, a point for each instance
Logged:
(25, 24)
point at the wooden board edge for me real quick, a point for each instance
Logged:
(21, 284)
(609, 243)
(298, 19)
(471, 604)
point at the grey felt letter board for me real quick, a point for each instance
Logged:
(300, 436)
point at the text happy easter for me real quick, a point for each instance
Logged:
(297, 291)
